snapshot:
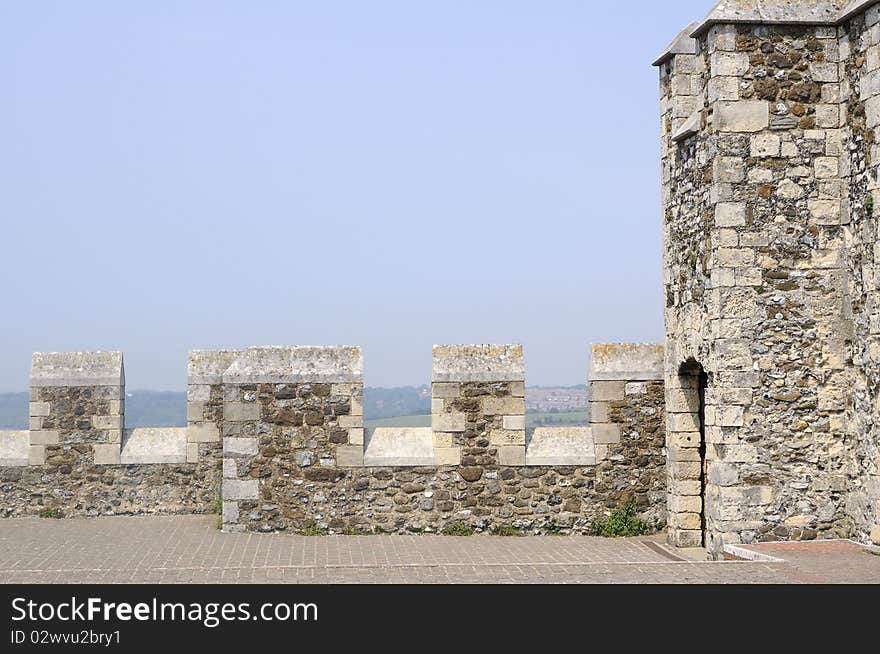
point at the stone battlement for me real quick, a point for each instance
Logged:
(278, 431)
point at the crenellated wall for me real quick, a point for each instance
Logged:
(286, 426)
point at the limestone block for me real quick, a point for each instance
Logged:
(40, 409)
(685, 538)
(828, 116)
(514, 423)
(606, 434)
(507, 437)
(686, 488)
(237, 489)
(107, 422)
(113, 435)
(723, 88)
(192, 452)
(449, 422)
(687, 521)
(206, 432)
(36, 455)
(230, 512)
(875, 534)
(106, 454)
(351, 422)
(682, 401)
(240, 447)
(685, 504)
(299, 364)
(598, 412)
(356, 436)
(561, 446)
(438, 406)
(241, 411)
(607, 391)
(35, 424)
(766, 145)
(447, 390)
(730, 416)
(14, 448)
(198, 393)
(826, 167)
(625, 362)
(230, 469)
(155, 445)
(206, 367)
(443, 439)
(447, 456)
(357, 406)
(195, 411)
(503, 406)
(730, 214)
(683, 439)
(349, 456)
(824, 72)
(512, 456)
(729, 64)
(518, 389)
(743, 116)
(343, 390)
(400, 446)
(77, 369)
(45, 438)
(723, 474)
(478, 363)
(684, 470)
(682, 422)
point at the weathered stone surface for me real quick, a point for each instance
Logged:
(399, 446)
(478, 363)
(626, 361)
(14, 448)
(77, 369)
(551, 446)
(259, 365)
(165, 445)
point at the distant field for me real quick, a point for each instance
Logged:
(532, 420)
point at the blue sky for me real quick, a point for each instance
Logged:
(187, 174)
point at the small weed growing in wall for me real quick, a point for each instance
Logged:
(314, 530)
(218, 509)
(869, 205)
(457, 528)
(356, 531)
(622, 522)
(51, 512)
(506, 530)
(552, 529)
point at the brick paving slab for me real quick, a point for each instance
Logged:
(189, 549)
(826, 562)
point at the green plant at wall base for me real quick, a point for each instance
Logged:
(506, 530)
(356, 531)
(51, 512)
(621, 523)
(552, 529)
(457, 528)
(869, 205)
(313, 530)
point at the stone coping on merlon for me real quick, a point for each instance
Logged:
(77, 369)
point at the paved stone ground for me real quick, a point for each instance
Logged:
(189, 549)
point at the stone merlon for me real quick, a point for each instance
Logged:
(77, 369)
(478, 363)
(278, 365)
(626, 361)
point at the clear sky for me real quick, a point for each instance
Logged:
(391, 174)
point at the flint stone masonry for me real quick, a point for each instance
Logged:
(289, 452)
(770, 261)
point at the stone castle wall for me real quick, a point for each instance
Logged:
(277, 435)
(771, 371)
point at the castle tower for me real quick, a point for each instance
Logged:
(769, 173)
